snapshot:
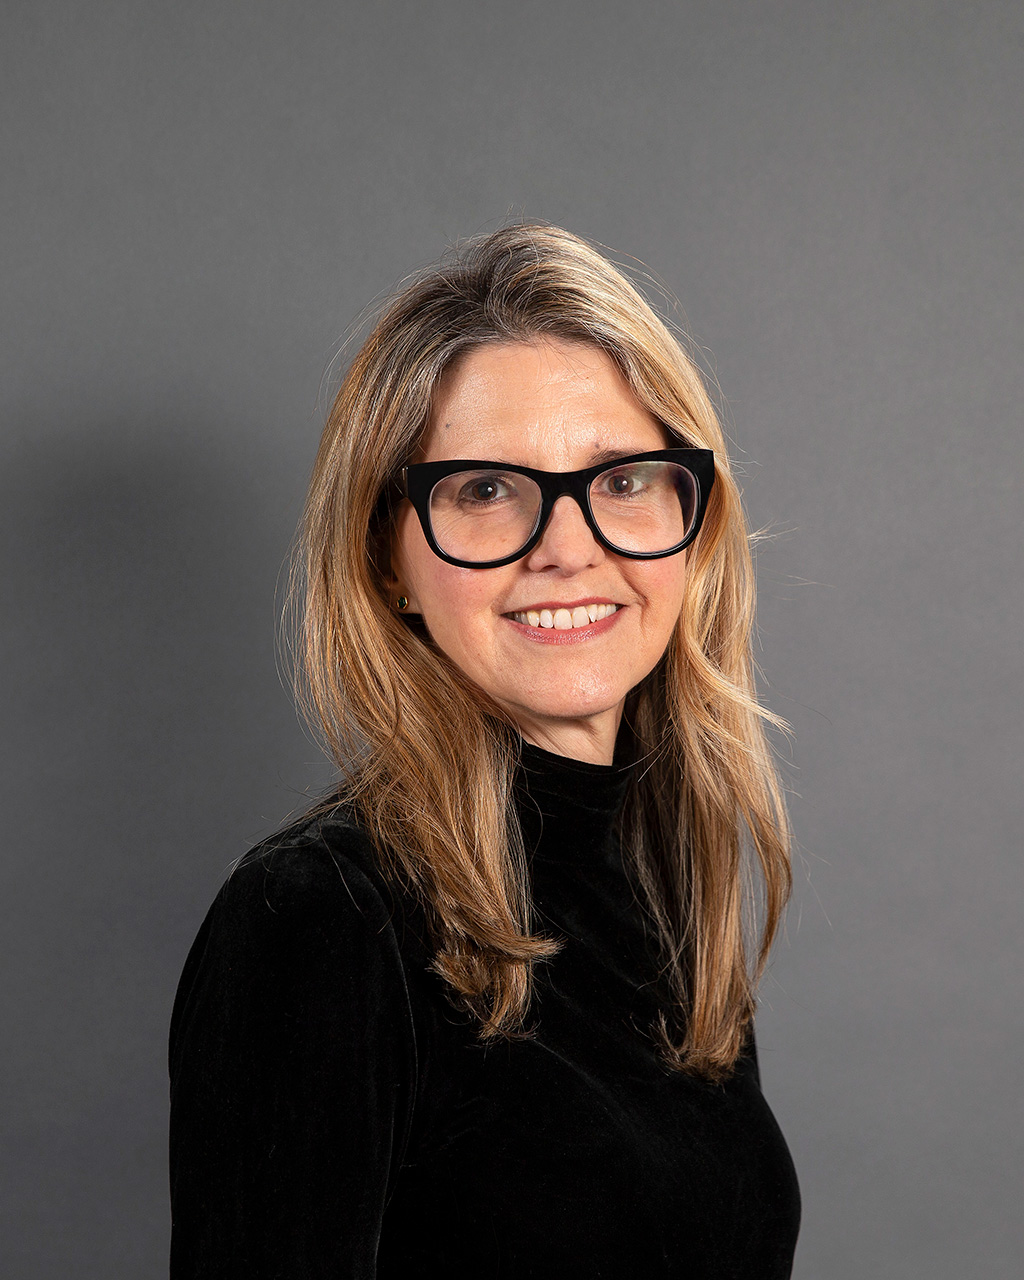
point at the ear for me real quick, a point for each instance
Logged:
(401, 599)
(397, 586)
(405, 530)
(397, 590)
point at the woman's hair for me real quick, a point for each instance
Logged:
(428, 760)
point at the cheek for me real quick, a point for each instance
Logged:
(454, 603)
(451, 603)
(665, 589)
(447, 596)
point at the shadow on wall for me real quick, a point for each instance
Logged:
(145, 564)
(146, 718)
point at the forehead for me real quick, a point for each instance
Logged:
(549, 404)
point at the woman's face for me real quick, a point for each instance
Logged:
(556, 406)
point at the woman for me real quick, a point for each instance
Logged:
(488, 1008)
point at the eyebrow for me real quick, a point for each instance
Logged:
(610, 455)
(602, 455)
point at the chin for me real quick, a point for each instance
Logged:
(566, 709)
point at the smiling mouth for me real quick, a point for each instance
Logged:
(564, 619)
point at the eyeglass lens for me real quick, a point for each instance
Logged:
(644, 507)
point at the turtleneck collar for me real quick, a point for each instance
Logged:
(568, 808)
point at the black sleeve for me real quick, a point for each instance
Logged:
(293, 1074)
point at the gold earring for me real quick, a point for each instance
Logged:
(403, 602)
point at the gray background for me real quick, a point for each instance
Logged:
(198, 200)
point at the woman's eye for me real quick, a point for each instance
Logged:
(486, 489)
(621, 484)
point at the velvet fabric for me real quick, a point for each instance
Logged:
(333, 1115)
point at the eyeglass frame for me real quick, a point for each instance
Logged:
(417, 480)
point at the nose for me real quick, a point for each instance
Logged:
(567, 543)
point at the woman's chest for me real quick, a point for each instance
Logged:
(578, 1141)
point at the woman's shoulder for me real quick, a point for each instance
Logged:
(294, 994)
(314, 886)
(303, 908)
(314, 864)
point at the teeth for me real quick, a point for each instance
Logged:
(565, 619)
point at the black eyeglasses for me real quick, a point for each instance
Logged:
(479, 515)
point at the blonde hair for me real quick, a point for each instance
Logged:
(428, 761)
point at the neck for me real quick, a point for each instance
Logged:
(591, 739)
(568, 809)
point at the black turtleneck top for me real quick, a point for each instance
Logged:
(333, 1115)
